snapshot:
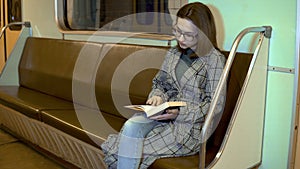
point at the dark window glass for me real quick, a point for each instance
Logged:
(167, 16)
(116, 15)
(147, 7)
(94, 14)
(14, 13)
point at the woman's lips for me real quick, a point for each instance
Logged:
(182, 44)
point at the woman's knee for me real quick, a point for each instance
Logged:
(137, 120)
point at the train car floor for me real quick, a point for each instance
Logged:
(15, 154)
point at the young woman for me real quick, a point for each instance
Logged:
(190, 73)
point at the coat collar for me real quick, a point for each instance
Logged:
(196, 66)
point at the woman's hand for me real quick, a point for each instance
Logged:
(169, 115)
(154, 101)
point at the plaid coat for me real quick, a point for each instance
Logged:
(182, 136)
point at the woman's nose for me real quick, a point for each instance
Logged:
(181, 38)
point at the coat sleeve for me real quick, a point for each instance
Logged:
(215, 67)
(163, 82)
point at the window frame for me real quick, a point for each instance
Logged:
(61, 20)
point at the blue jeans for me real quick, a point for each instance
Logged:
(132, 139)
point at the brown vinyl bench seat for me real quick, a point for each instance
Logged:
(46, 78)
(30, 102)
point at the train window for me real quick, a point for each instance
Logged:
(147, 7)
(166, 11)
(115, 15)
(14, 13)
(93, 14)
(1, 24)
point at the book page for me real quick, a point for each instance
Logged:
(155, 110)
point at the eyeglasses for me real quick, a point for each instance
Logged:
(187, 36)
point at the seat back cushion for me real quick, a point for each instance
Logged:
(47, 65)
(125, 76)
(236, 79)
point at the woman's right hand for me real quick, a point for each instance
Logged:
(154, 101)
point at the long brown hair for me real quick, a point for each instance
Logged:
(201, 17)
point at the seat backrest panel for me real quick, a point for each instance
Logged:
(125, 76)
(236, 79)
(47, 65)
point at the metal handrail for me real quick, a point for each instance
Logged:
(26, 24)
(266, 30)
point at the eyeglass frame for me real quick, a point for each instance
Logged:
(178, 33)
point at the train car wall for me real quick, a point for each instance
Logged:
(280, 103)
(233, 16)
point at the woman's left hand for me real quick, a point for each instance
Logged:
(169, 115)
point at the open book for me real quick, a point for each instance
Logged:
(156, 110)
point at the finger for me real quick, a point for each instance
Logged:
(149, 101)
(172, 111)
(158, 117)
(155, 102)
(159, 101)
(167, 117)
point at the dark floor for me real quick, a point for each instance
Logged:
(15, 155)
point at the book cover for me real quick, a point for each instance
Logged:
(156, 110)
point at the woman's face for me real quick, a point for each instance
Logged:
(186, 33)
